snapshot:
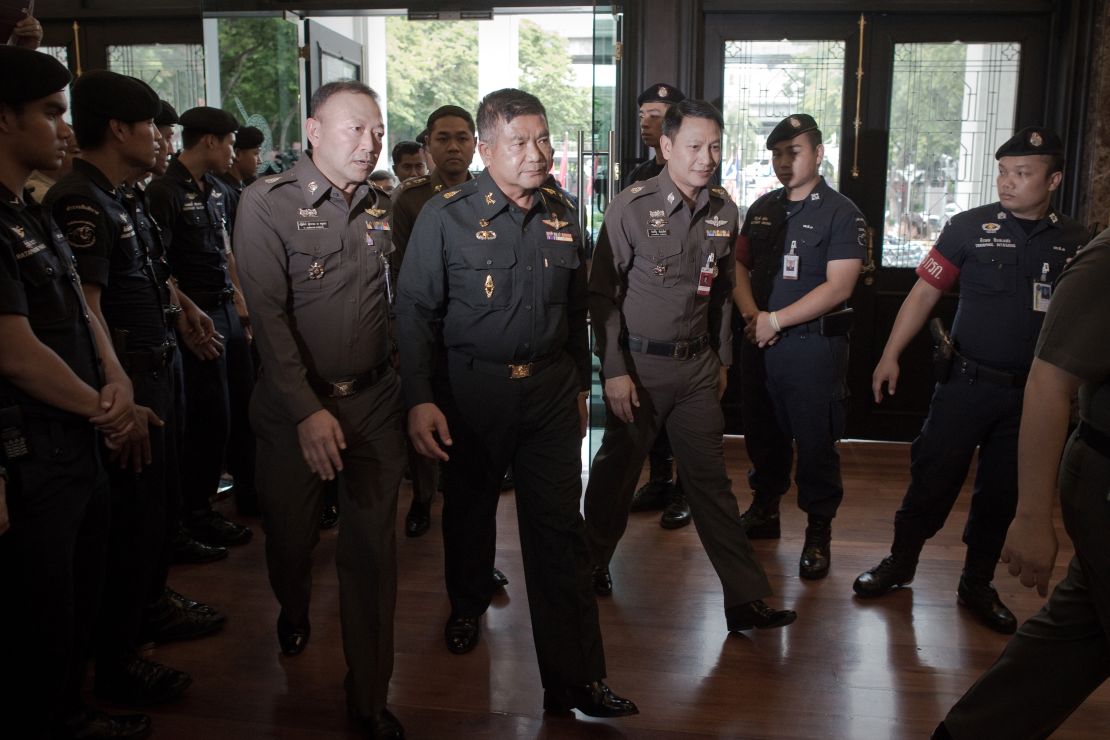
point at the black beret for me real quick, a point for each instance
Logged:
(1031, 140)
(103, 94)
(38, 75)
(167, 116)
(791, 126)
(209, 120)
(660, 92)
(249, 138)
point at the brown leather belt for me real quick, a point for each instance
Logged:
(350, 386)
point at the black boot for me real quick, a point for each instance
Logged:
(893, 572)
(761, 520)
(816, 554)
(677, 513)
(977, 595)
(657, 492)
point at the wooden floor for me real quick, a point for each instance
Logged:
(847, 669)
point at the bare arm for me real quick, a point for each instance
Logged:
(911, 317)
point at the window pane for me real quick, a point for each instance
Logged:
(61, 53)
(766, 81)
(334, 68)
(175, 71)
(951, 106)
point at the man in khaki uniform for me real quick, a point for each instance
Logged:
(661, 306)
(315, 248)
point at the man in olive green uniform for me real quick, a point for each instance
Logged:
(315, 248)
(661, 307)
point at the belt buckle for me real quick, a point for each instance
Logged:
(516, 372)
(681, 351)
(343, 388)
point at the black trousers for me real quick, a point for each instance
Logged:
(174, 439)
(291, 498)
(680, 395)
(806, 384)
(964, 416)
(1062, 653)
(532, 424)
(217, 397)
(52, 570)
(138, 534)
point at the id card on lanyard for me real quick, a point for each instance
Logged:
(790, 262)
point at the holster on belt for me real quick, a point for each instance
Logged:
(944, 351)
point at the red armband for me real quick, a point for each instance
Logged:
(937, 271)
(743, 249)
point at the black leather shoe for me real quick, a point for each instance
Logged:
(329, 517)
(292, 639)
(593, 699)
(760, 523)
(183, 602)
(419, 518)
(508, 483)
(893, 572)
(94, 725)
(601, 580)
(500, 580)
(757, 615)
(982, 600)
(653, 495)
(677, 513)
(817, 550)
(186, 550)
(383, 726)
(213, 528)
(462, 634)
(166, 621)
(137, 682)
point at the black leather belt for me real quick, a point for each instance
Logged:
(977, 371)
(809, 327)
(682, 350)
(510, 370)
(149, 360)
(1096, 440)
(209, 299)
(350, 386)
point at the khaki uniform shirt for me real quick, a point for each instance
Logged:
(314, 269)
(647, 267)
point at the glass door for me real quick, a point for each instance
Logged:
(912, 109)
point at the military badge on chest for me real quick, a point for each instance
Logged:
(657, 224)
(315, 270)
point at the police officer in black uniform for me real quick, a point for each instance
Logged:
(1006, 255)
(113, 118)
(799, 252)
(59, 382)
(499, 260)
(660, 492)
(244, 168)
(191, 206)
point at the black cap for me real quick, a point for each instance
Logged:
(1032, 140)
(249, 138)
(38, 75)
(110, 95)
(660, 92)
(208, 120)
(167, 116)
(791, 126)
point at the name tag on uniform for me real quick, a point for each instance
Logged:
(560, 236)
(659, 232)
(311, 225)
(711, 233)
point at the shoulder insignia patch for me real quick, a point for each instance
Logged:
(720, 193)
(272, 180)
(418, 180)
(451, 194)
(636, 188)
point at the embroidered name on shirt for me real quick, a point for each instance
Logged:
(311, 225)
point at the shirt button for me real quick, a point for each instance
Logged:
(528, 307)
(527, 345)
(529, 268)
(49, 270)
(489, 262)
